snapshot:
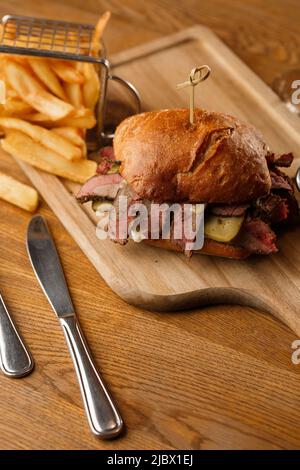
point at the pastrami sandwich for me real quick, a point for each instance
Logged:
(219, 161)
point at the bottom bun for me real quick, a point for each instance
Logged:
(210, 247)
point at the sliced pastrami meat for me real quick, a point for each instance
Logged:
(100, 186)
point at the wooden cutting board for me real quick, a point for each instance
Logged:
(160, 280)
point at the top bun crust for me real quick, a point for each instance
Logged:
(216, 160)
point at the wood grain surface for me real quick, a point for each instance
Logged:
(160, 280)
(220, 377)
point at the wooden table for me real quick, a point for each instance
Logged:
(217, 378)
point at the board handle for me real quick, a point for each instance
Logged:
(283, 310)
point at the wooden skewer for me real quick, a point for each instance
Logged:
(197, 75)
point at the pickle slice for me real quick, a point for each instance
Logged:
(114, 168)
(222, 229)
(98, 204)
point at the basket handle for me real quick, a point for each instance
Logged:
(134, 92)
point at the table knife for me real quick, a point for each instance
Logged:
(15, 359)
(103, 415)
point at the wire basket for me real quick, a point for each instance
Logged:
(53, 39)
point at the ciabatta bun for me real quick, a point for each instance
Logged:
(216, 160)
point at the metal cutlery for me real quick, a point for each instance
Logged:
(103, 416)
(15, 359)
(298, 179)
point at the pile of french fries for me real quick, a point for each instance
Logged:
(49, 106)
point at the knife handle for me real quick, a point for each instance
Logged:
(15, 359)
(103, 416)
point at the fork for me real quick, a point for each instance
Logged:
(15, 359)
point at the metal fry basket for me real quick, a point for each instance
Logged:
(39, 37)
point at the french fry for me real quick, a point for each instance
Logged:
(2, 92)
(76, 113)
(17, 193)
(19, 58)
(70, 133)
(87, 121)
(24, 148)
(83, 122)
(43, 136)
(33, 93)
(50, 105)
(91, 86)
(15, 107)
(44, 72)
(98, 33)
(84, 149)
(74, 94)
(41, 119)
(73, 134)
(66, 71)
(11, 93)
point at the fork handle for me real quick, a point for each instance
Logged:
(15, 359)
(103, 416)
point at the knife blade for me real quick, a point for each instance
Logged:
(47, 267)
(103, 416)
